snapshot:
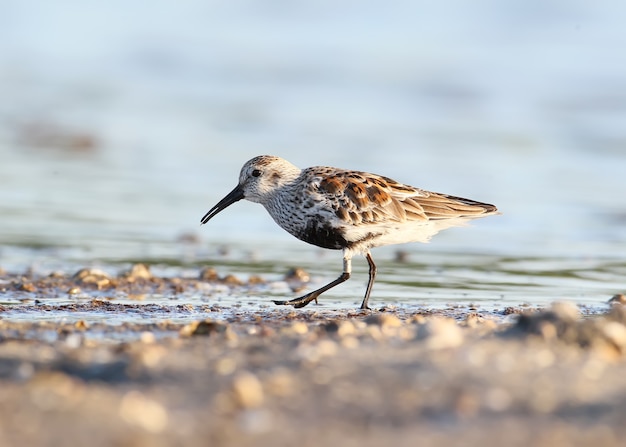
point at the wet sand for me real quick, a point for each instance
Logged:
(277, 376)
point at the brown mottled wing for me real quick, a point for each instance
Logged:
(358, 198)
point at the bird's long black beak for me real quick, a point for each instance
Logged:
(234, 196)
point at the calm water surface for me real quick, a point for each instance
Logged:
(119, 130)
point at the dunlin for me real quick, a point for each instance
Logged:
(346, 210)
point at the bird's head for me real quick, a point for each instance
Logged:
(259, 180)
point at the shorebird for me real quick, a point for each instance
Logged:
(346, 210)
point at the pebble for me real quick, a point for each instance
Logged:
(27, 287)
(255, 421)
(25, 371)
(559, 321)
(151, 356)
(189, 238)
(89, 276)
(147, 337)
(232, 280)
(247, 390)
(141, 411)
(440, 333)
(350, 342)
(225, 366)
(73, 340)
(137, 271)
(615, 334)
(203, 327)
(418, 319)
(605, 335)
(472, 320)
(53, 390)
(313, 353)
(401, 256)
(177, 286)
(617, 313)
(297, 278)
(297, 274)
(281, 382)
(619, 299)
(208, 274)
(384, 320)
(374, 332)
(297, 327)
(341, 328)
(497, 399)
(81, 325)
(565, 310)
(255, 280)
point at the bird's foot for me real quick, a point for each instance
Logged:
(299, 302)
(364, 304)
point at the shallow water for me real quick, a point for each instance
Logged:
(116, 139)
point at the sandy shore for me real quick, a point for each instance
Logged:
(281, 377)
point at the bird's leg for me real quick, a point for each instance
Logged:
(306, 299)
(370, 281)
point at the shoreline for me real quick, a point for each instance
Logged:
(196, 375)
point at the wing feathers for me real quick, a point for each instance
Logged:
(358, 197)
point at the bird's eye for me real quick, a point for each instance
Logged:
(256, 173)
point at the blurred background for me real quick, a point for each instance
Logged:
(122, 123)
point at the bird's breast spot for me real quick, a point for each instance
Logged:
(323, 235)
